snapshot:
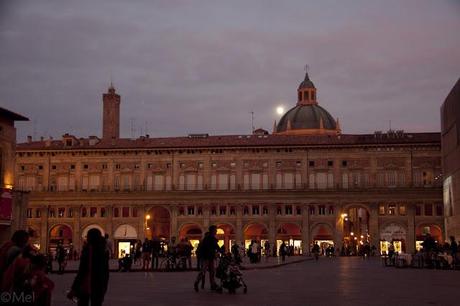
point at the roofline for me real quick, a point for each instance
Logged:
(12, 115)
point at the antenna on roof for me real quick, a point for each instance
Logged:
(252, 121)
(133, 129)
(389, 124)
(306, 68)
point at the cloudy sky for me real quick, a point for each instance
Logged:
(202, 66)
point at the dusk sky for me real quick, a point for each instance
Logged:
(202, 66)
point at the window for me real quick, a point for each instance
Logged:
(439, 210)
(125, 212)
(116, 212)
(321, 210)
(232, 211)
(222, 210)
(298, 210)
(418, 210)
(53, 167)
(70, 213)
(40, 167)
(29, 212)
(331, 210)
(213, 211)
(278, 210)
(311, 210)
(181, 211)
(245, 210)
(190, 210)
(84, 212)
(51, 213)
(311, 163)
(288, 209)
(381, 209)
(265, 210)
(255, 209)
(117, 166)
(428, 210)
(330, 163)
(61, 212)
(104, 166)
(200, 211)
(321, 180)
(93, 212)
(344, 163)
(85, 166)
(392, 209)
(72, 167)
(402, 210)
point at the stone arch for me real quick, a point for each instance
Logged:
(225, 234)
(322, 231)
(291, 234)
(393, 233)
(86, 228)
(356, 223)
(191, 230)
(60, 233)
(158, 222)
(125, 232)
(424, 228)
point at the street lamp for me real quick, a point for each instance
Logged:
(147, 217)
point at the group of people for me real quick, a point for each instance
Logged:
(23, 272)
(150, 251)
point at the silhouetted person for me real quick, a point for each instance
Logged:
(92, 278)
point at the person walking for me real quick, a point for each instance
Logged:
(267, 250)
(283, 251)
(315, 250)
(156, 249)
(61, 257)
(208, 250)
(91, 282)
(146, 252)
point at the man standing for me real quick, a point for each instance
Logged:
(208, 251)
(146, 252)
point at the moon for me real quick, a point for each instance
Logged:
(280, 110)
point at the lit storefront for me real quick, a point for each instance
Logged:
(393, 234)
(125, 237)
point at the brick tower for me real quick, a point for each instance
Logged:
(111, 114)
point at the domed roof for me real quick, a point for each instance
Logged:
(306, 117)
(306, 83)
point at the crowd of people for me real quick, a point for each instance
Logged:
(23, 271)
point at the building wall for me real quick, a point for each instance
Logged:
(264, 193)
(450, 124)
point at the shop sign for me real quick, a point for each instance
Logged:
(393, 232)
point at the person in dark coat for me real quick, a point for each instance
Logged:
(92, 278)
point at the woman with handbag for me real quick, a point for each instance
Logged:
(90, 284)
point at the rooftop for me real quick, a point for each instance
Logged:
(145, 142)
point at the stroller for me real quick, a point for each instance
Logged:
(230, 275)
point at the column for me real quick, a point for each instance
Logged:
(239, 225)
(272, 226)
(410, 235)
(77, 239)
(174, 229)
(305, 230)
(339, 220)
(374, 225)
(206, 213)
(141, 223)
(44, 230)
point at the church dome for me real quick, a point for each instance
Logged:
(307, 117)
(310, 116)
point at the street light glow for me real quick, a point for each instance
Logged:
(147, 217)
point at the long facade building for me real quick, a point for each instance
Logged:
(304, 183)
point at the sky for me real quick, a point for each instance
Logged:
(185, 66)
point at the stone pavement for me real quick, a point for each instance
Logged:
(271, 262)
(338, 281)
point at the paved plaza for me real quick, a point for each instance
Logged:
(338, 281)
